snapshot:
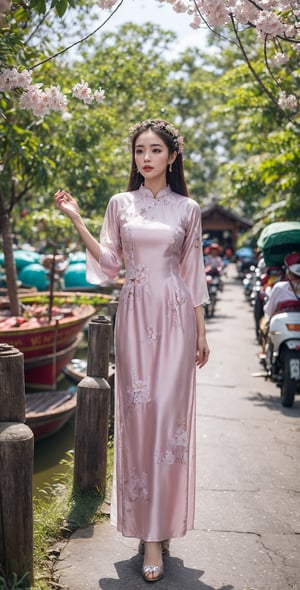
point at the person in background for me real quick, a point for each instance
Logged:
(286, 290)
(213, 258)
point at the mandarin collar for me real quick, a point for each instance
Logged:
(146, 192)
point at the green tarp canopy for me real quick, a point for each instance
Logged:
(279, 239)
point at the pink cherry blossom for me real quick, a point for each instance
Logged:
(244, 12)
(196, 22)
(57, 101)
(179, 6)
(83, 92)
(99, 95)
(36, 100)
(215, 12)
(269, 17)
(107, 4)
(279, 59)
(269, 24)
(288, 101)
(10, 78)
(41, 102)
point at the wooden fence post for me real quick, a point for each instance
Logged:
(16, 469)
(92, 411)
(112, 310)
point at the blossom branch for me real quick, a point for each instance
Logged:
(208, 26)
(255, 4)
(255, 74)
(268, 65)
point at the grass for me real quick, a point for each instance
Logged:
(59, 509)
(14, 583)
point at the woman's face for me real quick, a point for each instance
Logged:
(152, 155)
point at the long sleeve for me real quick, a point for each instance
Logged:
(110, 263)
(192, 265)
(280, 292)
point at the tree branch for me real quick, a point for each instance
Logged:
(35, 30)
(256, 76)
(16, 198)
(88, 36)
(210, 28)
(268, 65)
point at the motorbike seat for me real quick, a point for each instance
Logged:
(290, 305)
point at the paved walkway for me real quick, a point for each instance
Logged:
(247, 529)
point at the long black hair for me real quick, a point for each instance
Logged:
(170, 136)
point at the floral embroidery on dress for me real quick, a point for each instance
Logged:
(179, 447)
(127, 212)
(152, 335)
(197, 241)
(138, 392)
(174, 304)
(138, 487)
(137, 278)
(142, 275)
(135, 210)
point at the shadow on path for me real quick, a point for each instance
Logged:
(273, 403)
(177, 577)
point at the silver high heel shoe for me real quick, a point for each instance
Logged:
(153, 573)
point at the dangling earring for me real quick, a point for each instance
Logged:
(170, 167)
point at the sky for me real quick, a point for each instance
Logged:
(142, 11)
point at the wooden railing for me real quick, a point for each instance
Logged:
(17, 445)
(92, 413)
(16, 469)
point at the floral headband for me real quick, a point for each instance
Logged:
(159, 125)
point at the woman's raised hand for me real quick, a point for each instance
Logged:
(67, 204)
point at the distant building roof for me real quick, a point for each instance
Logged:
(214, 213)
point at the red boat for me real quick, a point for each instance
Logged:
(47, 345)
(41, 372)
(49, 411)
(76, 370)
(36, 336)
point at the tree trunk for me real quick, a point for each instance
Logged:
(10, 267)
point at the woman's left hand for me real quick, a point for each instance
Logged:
(203, 351)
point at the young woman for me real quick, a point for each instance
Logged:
(154, 228)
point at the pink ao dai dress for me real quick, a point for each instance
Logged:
(159, 240)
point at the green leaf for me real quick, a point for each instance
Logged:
(60, 6)
(38, 5)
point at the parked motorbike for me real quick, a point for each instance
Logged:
(245, 259)
(214, 284)
(279, 243)
(249, 282)
(264, 282)
(282, 356)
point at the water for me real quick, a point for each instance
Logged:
(49, 452)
